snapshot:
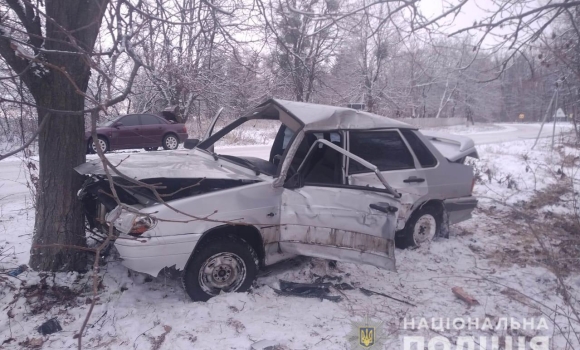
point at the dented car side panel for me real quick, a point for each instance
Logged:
(181, 224)
(284, 218)
(338, 223)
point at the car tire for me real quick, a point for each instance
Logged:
(170, 142)
(149, 149)
(102, 141)
(221, 264)
(423, 225)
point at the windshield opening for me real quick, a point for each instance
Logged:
(252, 132)
(267, 138)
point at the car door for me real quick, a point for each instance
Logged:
(390, 152)
(332, 220)
(128, 133)
(152, 129)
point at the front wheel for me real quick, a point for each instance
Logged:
(224, 264)
(170, 142)
(422, 227)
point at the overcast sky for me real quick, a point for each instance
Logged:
(473, 10)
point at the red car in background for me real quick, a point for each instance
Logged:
(146, 131)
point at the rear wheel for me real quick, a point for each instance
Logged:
(102, 142)
(223, 264)
(422, 227)
(170, 141)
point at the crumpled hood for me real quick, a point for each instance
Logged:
(174, 164)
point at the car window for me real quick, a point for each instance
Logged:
(323, 164)
(385, 149)
(288, 134)
(421, 151)
(130, 120)
(147, 119)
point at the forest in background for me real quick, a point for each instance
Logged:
(246, 52)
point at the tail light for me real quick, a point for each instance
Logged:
(184, 130)
(472, 184)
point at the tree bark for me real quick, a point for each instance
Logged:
(59, 215)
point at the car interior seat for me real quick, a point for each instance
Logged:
(326, 166)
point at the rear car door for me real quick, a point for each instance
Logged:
(323, 217)
(152, 129)
(390, 152)
(128, 135)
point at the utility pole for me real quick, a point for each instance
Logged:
(554, 97)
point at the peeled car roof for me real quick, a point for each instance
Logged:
(324, 117)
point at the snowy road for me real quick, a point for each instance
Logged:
(515, 132)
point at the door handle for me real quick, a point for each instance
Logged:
(383, 207)
(413, 179)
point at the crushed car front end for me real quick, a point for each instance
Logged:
(156, 218)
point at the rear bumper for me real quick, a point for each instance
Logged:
(150, 255)
(459, 209)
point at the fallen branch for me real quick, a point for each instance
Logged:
(79, 335)
(368, 292)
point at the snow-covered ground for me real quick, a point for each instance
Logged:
(495, 257)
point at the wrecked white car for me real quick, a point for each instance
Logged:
(339, 184)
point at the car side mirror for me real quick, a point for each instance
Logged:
(117, 124)
(295, 181)
(190, 143)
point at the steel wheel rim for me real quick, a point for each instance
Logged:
(171, 142)
(424, 229)
(102, 144)
(222, 272)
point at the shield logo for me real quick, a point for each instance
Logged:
(366, 336)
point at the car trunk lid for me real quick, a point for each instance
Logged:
(452, 147)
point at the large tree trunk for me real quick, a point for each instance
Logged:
(59, 215)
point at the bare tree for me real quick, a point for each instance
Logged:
(48, 49)
(303, 46)
(70, 63)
